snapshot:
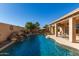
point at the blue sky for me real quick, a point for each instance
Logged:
(19, 14)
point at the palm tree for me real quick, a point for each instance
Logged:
(29, 26)
(32, 26)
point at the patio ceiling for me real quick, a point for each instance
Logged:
(76, 19)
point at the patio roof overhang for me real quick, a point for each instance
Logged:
(71, 14)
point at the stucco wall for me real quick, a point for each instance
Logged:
(6, 30)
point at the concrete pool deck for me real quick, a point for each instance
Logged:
(65, 42)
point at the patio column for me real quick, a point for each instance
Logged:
(72, 30)
(64, 29)
(56, 32)
(50, 29)
(53, 30)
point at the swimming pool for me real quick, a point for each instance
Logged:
(36, 46)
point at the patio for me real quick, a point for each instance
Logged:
(67, 27)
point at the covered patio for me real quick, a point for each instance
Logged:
(67, 27)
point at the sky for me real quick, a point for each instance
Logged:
(44, 13)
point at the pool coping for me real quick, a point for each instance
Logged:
(7, 45)
(64, 45)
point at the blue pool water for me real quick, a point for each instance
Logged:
(36, 46)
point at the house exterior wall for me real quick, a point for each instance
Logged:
(6, 30)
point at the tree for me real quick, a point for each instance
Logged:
(45, 29)
(37, 25)
(46, 26)
(32, 26)
(29, 26)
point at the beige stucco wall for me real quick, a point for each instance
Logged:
(5, 30)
